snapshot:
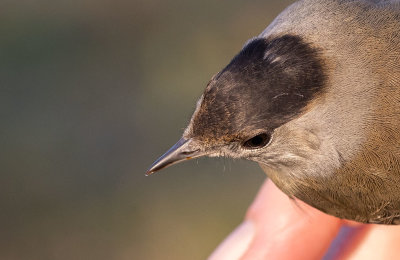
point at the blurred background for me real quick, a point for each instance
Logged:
(91, 93)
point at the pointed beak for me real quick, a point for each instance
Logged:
(184, 149)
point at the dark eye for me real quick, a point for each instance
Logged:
(257, 141)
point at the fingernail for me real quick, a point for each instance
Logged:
(236, 244)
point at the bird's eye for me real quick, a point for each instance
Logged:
(257, 141)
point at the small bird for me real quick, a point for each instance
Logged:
(315, 100)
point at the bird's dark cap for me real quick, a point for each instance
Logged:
(269, 83)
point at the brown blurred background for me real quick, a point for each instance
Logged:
(91, 93)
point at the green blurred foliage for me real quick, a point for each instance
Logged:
(91, 92)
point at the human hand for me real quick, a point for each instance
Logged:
(276, 227)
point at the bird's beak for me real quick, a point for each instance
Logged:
(184, 149)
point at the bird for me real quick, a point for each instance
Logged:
(315, 101)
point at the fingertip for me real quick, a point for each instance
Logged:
(236, 244)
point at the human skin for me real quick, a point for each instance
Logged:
(277, 227)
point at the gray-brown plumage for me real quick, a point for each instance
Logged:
(315, 100)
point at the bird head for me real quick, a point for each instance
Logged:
(244, 108)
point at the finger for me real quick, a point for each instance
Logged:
(277, 227)
(372, 242)
(288, 229)
(349, 238)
